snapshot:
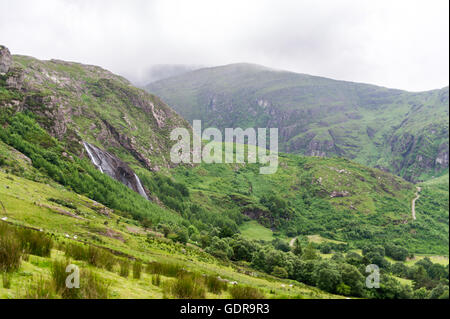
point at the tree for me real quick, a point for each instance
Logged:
(297, 249)
(280, 272)
(440, 292)
(328, 279)
(352, 278)
(310, 253)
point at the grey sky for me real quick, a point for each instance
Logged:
(399, 44)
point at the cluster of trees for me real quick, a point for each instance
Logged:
(343, 274)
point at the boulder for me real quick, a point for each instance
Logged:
(5, 59)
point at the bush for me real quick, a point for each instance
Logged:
(215, 285)
(124, 268)
(97, 257)
(165, 269)
(245, 292)
(34, 242)
(59, 275)
(6, 280)
(39, 289)
(10, 253)
(77, 252)
(92, 286)
(137, 268)
(156, 280)
(188, 286)
(280, 272)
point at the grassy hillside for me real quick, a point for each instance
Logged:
(405, 133)
(90, 224)
(76, 102)
(332, 197)
(202, 221)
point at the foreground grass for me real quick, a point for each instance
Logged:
(27, 204)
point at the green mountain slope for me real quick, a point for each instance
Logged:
(405, 133)
(76, 102)
(197, 216)
(335, 198)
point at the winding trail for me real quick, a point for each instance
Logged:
(413, 206)
(291, 243)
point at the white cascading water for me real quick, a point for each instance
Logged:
(140, 188)
(92, 157)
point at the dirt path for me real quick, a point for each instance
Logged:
(414, 203)
(291, 243)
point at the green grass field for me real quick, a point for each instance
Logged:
(254, 230)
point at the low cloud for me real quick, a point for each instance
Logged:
(400, 44)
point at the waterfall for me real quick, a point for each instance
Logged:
(112, 166)
(92, 157)
(139, 187)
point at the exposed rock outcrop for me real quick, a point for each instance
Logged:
(5, 59)
(114, 167)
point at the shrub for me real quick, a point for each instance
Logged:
(77, 252)
(215, 285)
(156, 280)
(188, 286)
(124, 268)
(10, 254)
(34, 242)
(165, 269)
(39, 289)
(279, 272)
(137, 268)
(6, 280)
(59, 276)
(92, 286)
(245, 292)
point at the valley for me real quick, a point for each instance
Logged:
(86, 179)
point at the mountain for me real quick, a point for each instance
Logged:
(79, 103)
(163, 71)
(402, 132)
(86, 178)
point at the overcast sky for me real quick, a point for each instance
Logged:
(393, 43)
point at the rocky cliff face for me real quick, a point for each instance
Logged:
(114, 167)
(5, 59)
(81, 104)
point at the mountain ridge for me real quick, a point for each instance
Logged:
(319, 116)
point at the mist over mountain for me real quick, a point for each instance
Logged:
(402, 132)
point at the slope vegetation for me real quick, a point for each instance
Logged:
(402, 132)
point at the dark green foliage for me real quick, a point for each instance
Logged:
(24, 134)
(137, 269)
(279, 272)
(220, 248)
